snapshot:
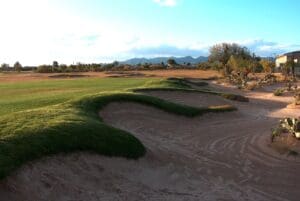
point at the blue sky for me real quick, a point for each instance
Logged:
(40, 31)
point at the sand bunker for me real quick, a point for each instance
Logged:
(212, 157)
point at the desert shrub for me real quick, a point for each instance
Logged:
(276, 132)
(44, 69)
(287, 125)
(216, 65)
(258, 69)
(289, 85)
(204, 66)
(278, 92)
(297, 97)
(267, 65)
(239, 79)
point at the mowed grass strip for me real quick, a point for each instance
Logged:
(21, 96)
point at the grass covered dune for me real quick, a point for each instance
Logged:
(75, 126)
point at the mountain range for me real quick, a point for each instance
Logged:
(179, 60)
(157, 60)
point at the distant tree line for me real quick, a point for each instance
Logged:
(62, 68)
(224, 57)
(16, 67)
(114, 66)
(97, 67)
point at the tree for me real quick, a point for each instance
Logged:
(62, 68)
(171, 61)
(233, 63)
(240, 64)
(17, 67)
(288, 68)
(267, 65)
(115, 63)
(222, 53)
(44, 69)
(55, 64)
(4, 67)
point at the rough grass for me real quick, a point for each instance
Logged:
(74, 124)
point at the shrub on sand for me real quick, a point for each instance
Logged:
(278, 92)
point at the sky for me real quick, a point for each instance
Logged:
(37, 32)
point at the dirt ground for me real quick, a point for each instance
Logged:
(224, 156)
(29, 76)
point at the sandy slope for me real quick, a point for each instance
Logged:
(212, 157)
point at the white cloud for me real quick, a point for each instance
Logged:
(168, 3)
(39, 31)
(268, 48)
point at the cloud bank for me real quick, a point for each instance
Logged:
(269, 48)
(43, 33)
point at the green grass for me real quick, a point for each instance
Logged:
(33, 94)
(47, 122)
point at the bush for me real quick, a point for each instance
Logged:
(204, 66)
(44, 69)
(278, 92)
(287, 125)
(297, 97)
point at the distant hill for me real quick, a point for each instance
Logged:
(157, 60)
